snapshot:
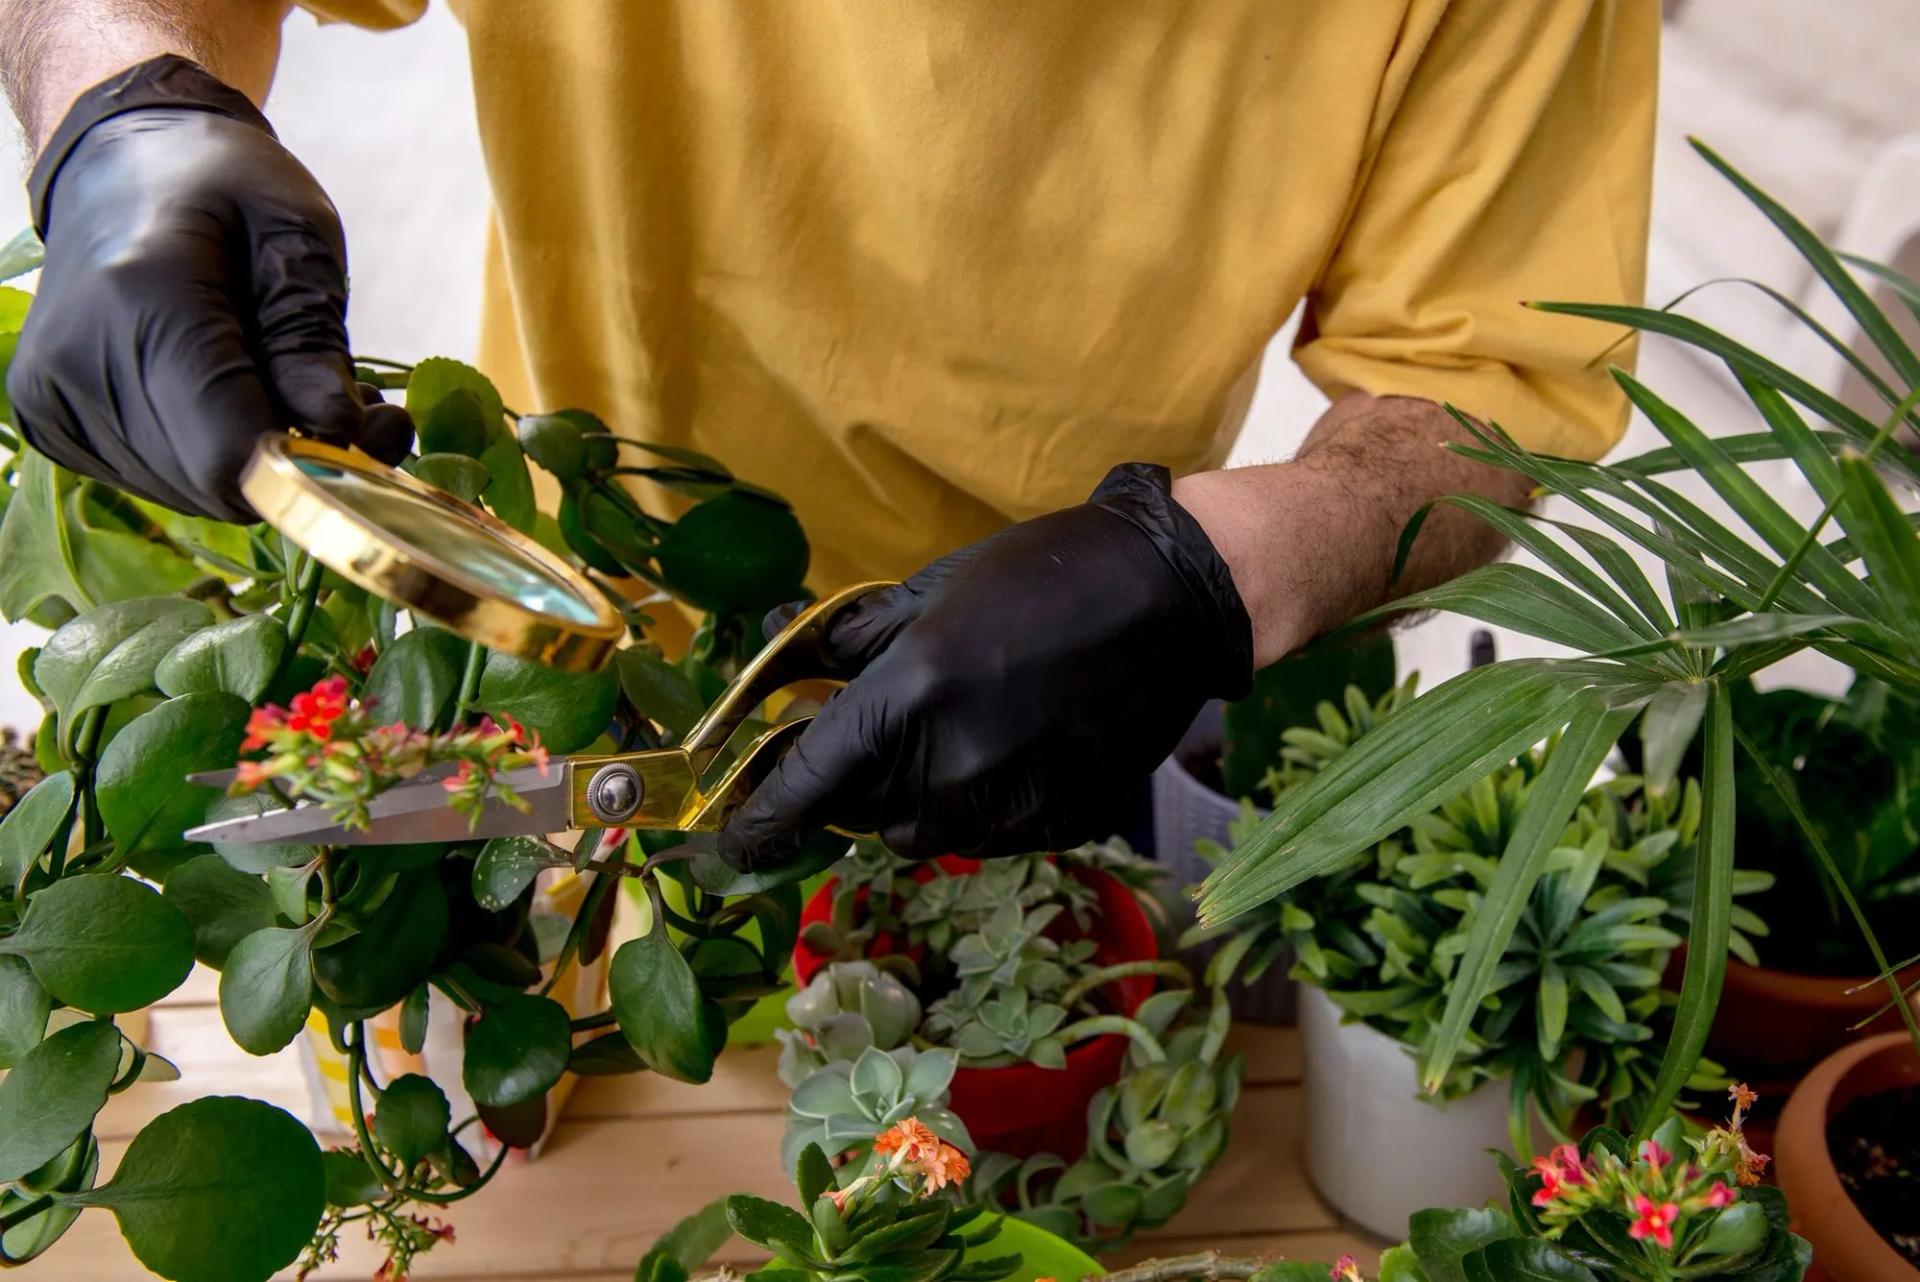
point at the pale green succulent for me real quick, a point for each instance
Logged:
(844, 1009)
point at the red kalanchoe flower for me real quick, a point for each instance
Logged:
(261, 723)
(1549, 1172)
(363, 660)
(1345, 1269)
(1653, 1220)
(1720, 1196)
(1653, 1155)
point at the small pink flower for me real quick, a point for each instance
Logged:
(1345, 1269)
(1653, 1155)
(1652, 1220)
(1550, 1180)
(1720, 1195)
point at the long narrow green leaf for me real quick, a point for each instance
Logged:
(1711, 924)
(1904, 287)
(1521, 528)
(1585, 744)
(1872, 321)
(1412, 762)
(1522, 598)
(1760, 510)
(1812, 452)
(1746, 447)
(1621, 568)
(1738, 355)
(1887, 543)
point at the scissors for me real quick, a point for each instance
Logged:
(692, 787)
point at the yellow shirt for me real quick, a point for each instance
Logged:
(925, 266)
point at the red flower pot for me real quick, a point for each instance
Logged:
(1024, 1109)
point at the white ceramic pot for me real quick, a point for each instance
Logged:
(1375, 1148)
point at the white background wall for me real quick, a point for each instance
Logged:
(1803, 102)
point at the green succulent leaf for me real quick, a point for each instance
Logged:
(734, 554)
(506, 866)
(568, 710)
(141, 788)
(411, 1118)
(104, 943)
(24, 1007)
(416, 679)
(658, 1004)
(27, 830)
(237, 657)
(223, 905)
(244, 1165)
(459, 475)
(266, 988)
(111, 652)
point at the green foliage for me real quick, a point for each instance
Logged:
(1576, 997)
(1283, 696)
(169, 632)
(1738, 600)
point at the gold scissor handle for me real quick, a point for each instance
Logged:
(667, 788)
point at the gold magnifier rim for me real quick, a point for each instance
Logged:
(385, 564)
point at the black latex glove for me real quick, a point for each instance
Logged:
(1015, 695)
(194, 295)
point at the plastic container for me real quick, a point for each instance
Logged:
(1024, 1109)
(1042, 1255)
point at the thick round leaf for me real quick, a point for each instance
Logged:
(573, 528)
(216, 1190)
(27, 829)
(144, 797)
(734, 554)
(393, 952)
(553, 441)
(51, 1095)
(350, 1181)
(111, 651)
(223, 905)
(258, 856)
(24, 1007)
(506, 866)
(660, 690)
(237, 657)
(454, 406)
(517, 1050)
(411, 1118)
(458, 475)
(104, 943)
(568, 710)
(266, 989)
(658, 1004)
(417, 679)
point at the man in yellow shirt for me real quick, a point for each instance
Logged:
(931, 267)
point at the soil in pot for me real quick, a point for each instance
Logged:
(1875, 1145)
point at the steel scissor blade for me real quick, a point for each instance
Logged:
(223, 779)
(416, 811)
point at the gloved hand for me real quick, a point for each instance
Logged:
(194, 295)
(1014, 695)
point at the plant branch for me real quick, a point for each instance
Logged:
(356, 1065)
(470, 681)
(306, 595)
(448, 1199)
(1124, 970)
(1201, 1266)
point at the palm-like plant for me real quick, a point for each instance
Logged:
(1735, 603)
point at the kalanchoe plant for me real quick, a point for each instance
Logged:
(888, 1221)
(1672, 1204)
(183, 645)
(1578, 996)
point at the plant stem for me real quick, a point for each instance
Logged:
(1124, 970)
(1787, 794)
(306, 595)
(25, 1213)
(586, 1025)
(447, 1199)
(1132, 1029)
(86, 741)
(1201, 1266)
(470, 681)
(356, 1065)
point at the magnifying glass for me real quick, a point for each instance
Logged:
(423, 549)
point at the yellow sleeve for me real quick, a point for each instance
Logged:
(378, 15)
(1512, 160)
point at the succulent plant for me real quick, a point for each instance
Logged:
(1383, 933)
(1150, 1136)
(852, 1073)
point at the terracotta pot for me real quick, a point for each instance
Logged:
(1845, 1247)
(1024, 1109)
(1774, 1023)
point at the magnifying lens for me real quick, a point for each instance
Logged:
(423, 549)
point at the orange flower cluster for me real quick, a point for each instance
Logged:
(920, 1160)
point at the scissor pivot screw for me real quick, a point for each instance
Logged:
(615, 792)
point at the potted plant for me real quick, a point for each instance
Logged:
(1847, 1147)
(1579, 996)
(181, 645)
(1220, 767)
(1852, 767)
(996, 1052)
(1842, 584)
(1674, 1204)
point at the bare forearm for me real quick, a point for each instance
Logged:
(53, 50)
(1311, 541)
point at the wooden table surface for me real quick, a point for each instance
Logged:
(632, 1155)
